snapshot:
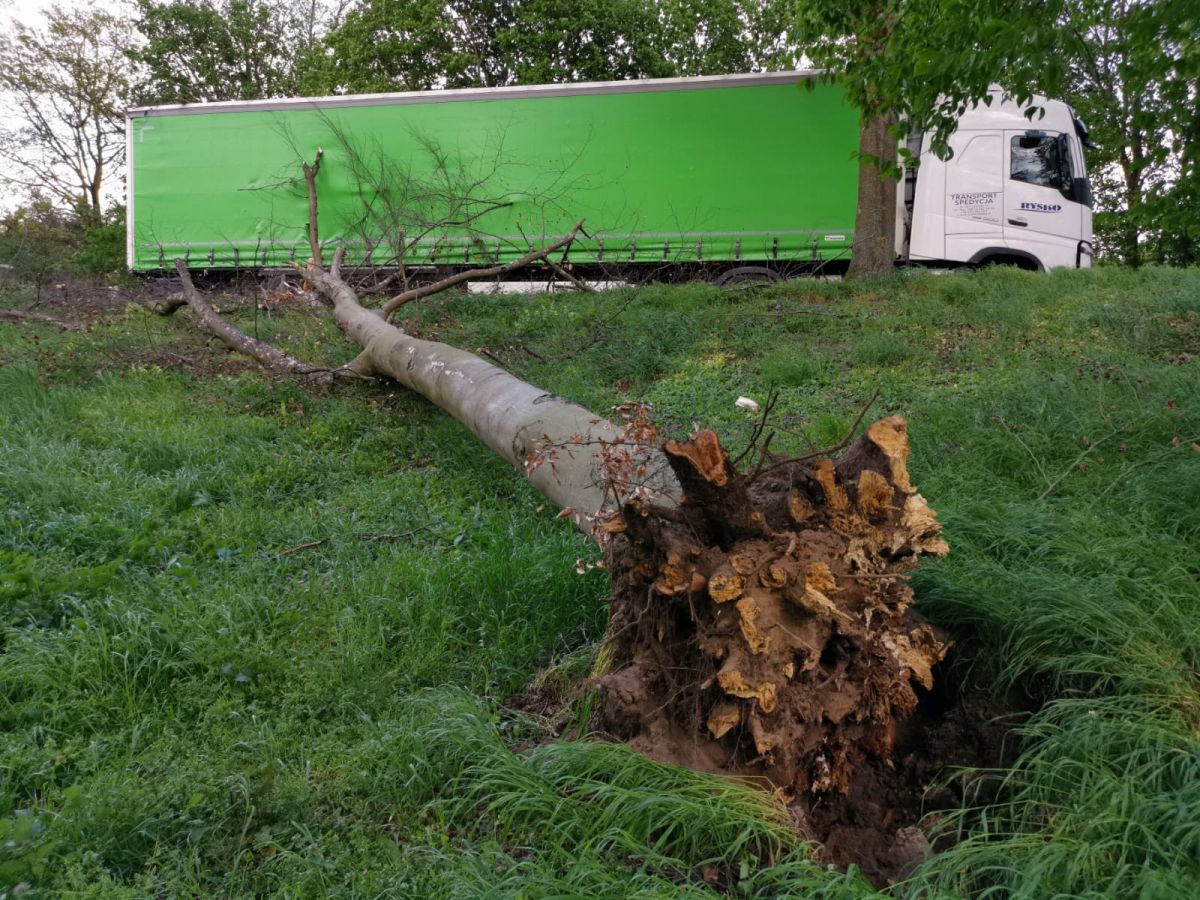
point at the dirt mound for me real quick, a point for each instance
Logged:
(766, 628)
(881, 823)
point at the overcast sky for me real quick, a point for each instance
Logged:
(30, 11)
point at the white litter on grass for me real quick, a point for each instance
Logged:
(746, 403)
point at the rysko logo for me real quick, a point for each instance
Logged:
(1042, 207)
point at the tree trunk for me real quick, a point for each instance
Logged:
(561, 447)
(1131, 251)
(875, 219)
(757, 626)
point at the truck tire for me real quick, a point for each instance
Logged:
(747, 275)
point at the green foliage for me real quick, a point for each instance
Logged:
(35, 242)
(914, 67)
(1133, 77)
(925, 62)
(418, 44)
(188, 710)
(198, 50)
(102, 250)
(38, 243)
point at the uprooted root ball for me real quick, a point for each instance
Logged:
(767, 628)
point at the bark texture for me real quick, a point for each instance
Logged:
(875, 219)
(555, 442)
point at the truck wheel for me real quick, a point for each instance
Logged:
(747, 275)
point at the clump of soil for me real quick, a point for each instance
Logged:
(765, 628)
(881, 823)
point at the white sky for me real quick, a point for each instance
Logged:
(30, 11)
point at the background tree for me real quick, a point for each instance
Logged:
(917, 65)
(65, 86)
(389, 45)
(1132, 75)
(384, 45)
(205, 50)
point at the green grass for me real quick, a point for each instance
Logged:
(184, 711)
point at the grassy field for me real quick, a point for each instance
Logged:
(190, 705)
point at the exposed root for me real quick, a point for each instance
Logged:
(766, 628)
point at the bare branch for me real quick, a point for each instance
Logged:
(310, 179)
(16, 315)
(272, 358)
(533, 256)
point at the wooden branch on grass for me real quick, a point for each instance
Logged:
(828, 451)
(271, 358)
(16, 315)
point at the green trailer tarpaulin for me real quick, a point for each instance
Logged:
(745, 167)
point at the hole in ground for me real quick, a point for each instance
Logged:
(882, 824)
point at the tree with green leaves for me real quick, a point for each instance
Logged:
(389, 45)
(65, 85)
(205, 50)
(917, 66)
(385, 45)
(1134, 76)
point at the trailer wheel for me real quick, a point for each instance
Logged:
(747, 275)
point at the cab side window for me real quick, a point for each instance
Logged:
(1042, 160)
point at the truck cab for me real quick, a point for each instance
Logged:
(1015, 191)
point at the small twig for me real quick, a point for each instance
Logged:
(299, 547)
(829, 451)
(1037, 462)
(772, 399)
(1091, 448)
(393, 537)
(577, 283)
(484, 351)
(762, 456)
(533, 256)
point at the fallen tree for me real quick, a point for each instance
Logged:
(758, 625)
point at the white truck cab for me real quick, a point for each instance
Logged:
(1015, 191)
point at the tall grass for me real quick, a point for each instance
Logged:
(190, 705)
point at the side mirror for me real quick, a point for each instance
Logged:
(1081, 191)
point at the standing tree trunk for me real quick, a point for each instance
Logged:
(875, 219)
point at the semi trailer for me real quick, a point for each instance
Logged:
(729, 177)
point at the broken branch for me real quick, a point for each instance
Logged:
(310, 180)
(271, 358)
(427, 290)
